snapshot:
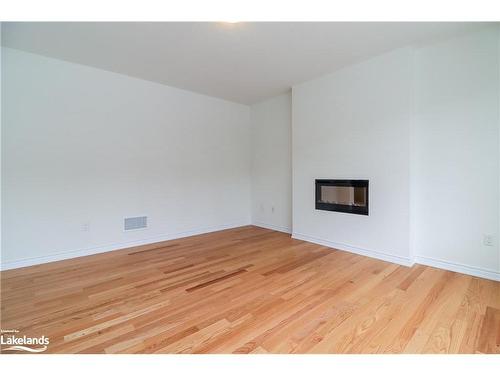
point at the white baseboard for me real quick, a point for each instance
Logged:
(450, 266)
(460, 268)
(408, 262)
(272, 227)
(25, 262)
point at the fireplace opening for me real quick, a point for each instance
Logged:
(350, 196)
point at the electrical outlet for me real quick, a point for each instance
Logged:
(488, 240)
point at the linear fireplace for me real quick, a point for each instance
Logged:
(349, 196)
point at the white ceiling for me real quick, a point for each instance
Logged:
(242, 62)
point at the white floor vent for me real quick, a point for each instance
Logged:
(133, 223)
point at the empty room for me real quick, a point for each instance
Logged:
(250, 187)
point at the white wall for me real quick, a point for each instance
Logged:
(81, 145)
(271, 163)
(422, 124)
(355, 124)
(456, 151)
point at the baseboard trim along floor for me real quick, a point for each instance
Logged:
(437, 263)
(26, 262)
(456, 267)
(431, 262)
(277, 228)
(356, 250)
(249, 290)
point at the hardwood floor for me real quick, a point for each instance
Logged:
(249, 290)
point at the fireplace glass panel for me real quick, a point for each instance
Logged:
(346, 195)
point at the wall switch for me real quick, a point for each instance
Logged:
(86, 227)
(488, 240)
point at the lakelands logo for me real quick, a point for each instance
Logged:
(22, 343)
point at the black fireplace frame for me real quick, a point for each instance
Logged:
(358, 210)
